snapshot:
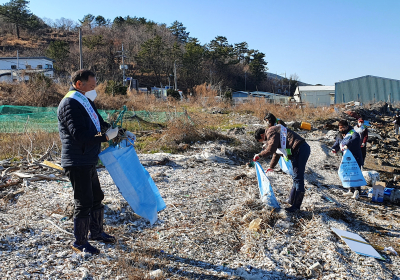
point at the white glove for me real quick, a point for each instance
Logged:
(344, 148)
(363, 145)
(256, 157)
(130, 135)
(112, 133)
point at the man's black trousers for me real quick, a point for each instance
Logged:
(87, 191)
(364, 152)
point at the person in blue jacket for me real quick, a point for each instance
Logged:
(348, 138)
(82, 130)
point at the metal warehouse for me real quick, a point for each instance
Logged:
(315, 95)
(367, 89)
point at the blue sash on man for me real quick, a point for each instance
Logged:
(86, 104)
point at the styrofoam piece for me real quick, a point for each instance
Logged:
(357, 243)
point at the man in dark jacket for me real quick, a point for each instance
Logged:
(80, 127)
(293, 147)
(347, 138)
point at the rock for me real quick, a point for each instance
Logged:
(316, 267)
(293, 125)
(156, 274)
(183, 146)
(238, 177)
(237, 131)
(374, 148)
(283, 224)
(212, 157)
(373, 136)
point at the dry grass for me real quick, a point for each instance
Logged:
(39, 92)
(258, 107)
(19, 144)
(196, 125)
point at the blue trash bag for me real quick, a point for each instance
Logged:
(266, 192)
(349, 171)
(133, 180)
(366, 123)
(286, 166)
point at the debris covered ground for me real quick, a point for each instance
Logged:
(212, 202)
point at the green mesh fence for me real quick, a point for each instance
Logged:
(15, 119)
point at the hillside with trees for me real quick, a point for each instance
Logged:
(153, 52)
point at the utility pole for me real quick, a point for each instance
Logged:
(123, 64)
(80, 49)
(17, 67)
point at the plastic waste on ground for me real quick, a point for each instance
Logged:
(266, 192)
(390, 250)
(255, 224)
(133, 180)
(357, 244)
(349, 171)
(371, 176)
(286, 166)
(305, 125)
(378, 191)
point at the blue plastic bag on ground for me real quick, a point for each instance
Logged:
(286, 166)
(266, 192)
(133, 180)
(349, 171)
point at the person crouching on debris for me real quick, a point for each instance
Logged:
(281, 141)
(347, 138)
(80, 127)
(361, 129)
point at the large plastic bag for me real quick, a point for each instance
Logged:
(286, 166)
(266, 192)
(371, 177)
(349, 171)
(133, 180)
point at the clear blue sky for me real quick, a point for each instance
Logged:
(322, 41)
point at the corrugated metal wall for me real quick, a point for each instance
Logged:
(367, 89)
(316, 98)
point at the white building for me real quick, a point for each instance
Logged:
(315, 95)
(19, 68)
(239, 97)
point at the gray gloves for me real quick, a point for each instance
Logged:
(112, 133)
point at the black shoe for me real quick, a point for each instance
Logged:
(87, 248)
(104, 237)
(96, 227)
(298, 199)
(81, 229)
